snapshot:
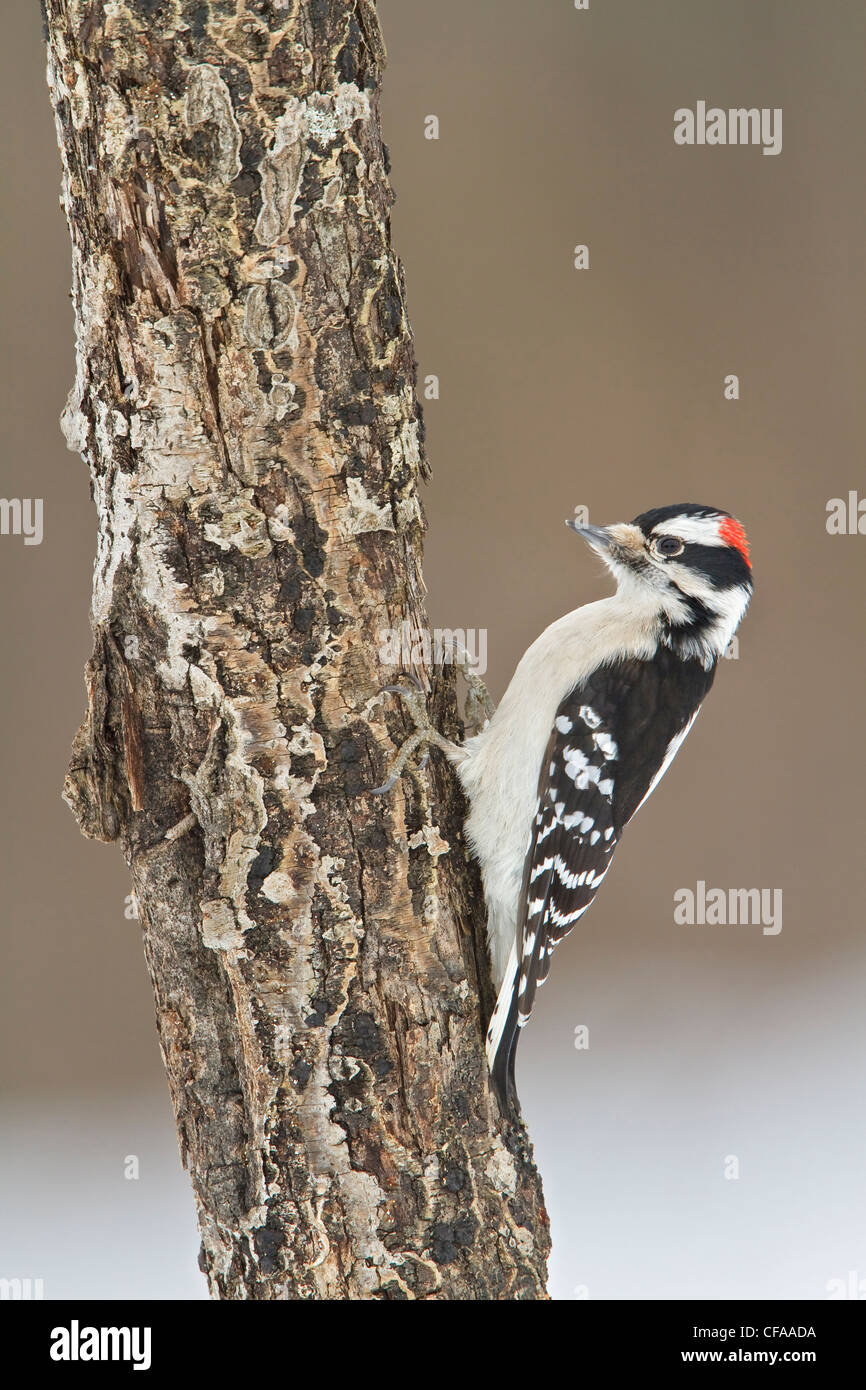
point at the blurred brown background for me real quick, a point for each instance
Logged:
(558, 388)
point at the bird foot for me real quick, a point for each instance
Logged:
(416, 704)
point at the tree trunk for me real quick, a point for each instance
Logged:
(245, 400)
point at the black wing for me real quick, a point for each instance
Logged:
(612, 739)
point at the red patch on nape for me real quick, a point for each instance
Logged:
(732, 533)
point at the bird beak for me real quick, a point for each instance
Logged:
(597, 536)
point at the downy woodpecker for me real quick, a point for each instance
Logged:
(592, 718)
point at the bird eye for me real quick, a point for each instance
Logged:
(669, 545)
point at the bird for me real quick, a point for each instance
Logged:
(597, 709)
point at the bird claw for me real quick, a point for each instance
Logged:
(385, 787)
(424, 733)
(401, 690)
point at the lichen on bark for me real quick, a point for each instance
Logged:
(244, 397)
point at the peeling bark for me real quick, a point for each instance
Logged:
(245, 400)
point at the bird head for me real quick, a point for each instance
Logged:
(689, 562)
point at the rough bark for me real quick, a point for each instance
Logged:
(245, 400)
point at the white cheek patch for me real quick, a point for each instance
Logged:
(727, 607)
(688, 581)
(731, 605)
